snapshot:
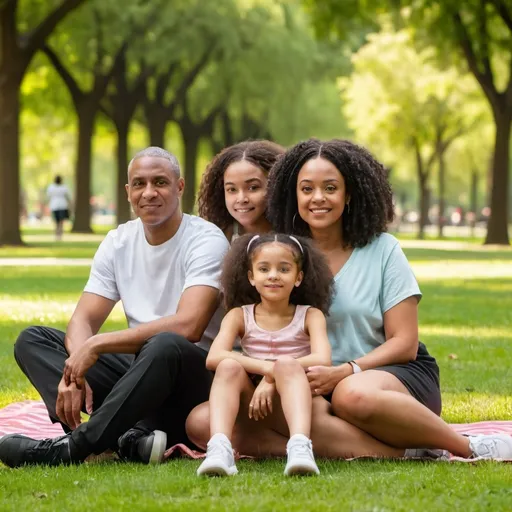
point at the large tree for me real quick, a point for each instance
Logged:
(119, 104)
(398, 102)
(18, 47)
(477, 33)
(481, 31)
(87, 74)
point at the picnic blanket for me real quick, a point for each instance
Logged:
(31, 418)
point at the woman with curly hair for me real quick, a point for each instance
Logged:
(277, 289)
(383, 387)
(233, 190)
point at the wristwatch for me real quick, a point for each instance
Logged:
(355, 367)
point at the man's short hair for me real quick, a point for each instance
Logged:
(157, 152)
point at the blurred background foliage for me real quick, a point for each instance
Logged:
(426, 85)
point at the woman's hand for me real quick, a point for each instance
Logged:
(79, 362)
(323, 379)
(261, 402)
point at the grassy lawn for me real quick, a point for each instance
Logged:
(466, 322)
(40, 243)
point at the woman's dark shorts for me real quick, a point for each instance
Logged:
(420, 377)
(60, 215)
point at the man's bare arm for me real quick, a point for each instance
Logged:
(90, 314)
(195, 310)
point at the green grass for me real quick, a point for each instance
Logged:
(40, 243)
(51, 250)
(260, 486)
(100, 229)
(413, 235)
(465, 321)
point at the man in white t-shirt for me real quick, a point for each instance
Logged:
(140, 383)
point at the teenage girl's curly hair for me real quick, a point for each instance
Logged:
(316, 288)
(211, 203)
(371, 203)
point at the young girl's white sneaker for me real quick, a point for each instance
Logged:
(301, 460)
(220, 460)
(491, 446)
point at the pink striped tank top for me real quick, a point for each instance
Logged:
(289, 341)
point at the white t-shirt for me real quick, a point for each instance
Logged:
(58, 196)
(375, 278)
(150, 279)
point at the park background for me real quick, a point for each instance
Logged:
(426, 85)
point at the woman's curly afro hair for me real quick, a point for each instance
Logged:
(371, 202)
(316, 288)
(211, 203)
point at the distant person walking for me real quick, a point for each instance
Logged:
(60, 200)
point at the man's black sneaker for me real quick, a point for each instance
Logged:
(17, 450)
(142, 445)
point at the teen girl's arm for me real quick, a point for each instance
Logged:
(222, 347)
(316, 326)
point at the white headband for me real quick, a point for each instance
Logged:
(255, 237)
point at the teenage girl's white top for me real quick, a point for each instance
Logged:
(58, 196)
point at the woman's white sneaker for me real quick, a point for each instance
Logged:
(220, 460)
(491, 446)
(301, 460)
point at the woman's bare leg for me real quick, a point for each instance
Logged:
(335, 438)
(249, 437)
(380, 405)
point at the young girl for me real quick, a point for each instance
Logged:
(277, 289)
(233, 191)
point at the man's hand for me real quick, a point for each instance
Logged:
(69, 403)
(78, 363)
(261, 402)
(323, 379)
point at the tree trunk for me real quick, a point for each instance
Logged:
(227, 129)
(474, 201)
(191, 143)
(9, 159)
(156, 126)
(497, 227)
(122, 204)
(82, 221)
(441, 192)
(424, 194)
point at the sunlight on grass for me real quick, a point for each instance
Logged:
(10, 396)
(461, 269)
(44, 311)
(468, 407)
(465, 321)
(475, 333)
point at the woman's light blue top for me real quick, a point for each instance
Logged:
(373, 280)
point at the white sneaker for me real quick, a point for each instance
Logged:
(301, 460)
(491, 446)
(220, 460)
